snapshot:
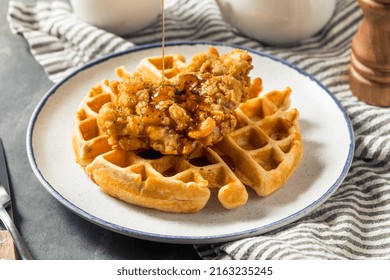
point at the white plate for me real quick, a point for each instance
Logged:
(325, 127)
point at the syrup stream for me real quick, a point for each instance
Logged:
(163, 41)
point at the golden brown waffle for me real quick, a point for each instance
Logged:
(152, 66)
(88, 142)
(262, 152)
(265, 147)
(167, 183)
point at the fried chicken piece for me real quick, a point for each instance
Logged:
(189, 111)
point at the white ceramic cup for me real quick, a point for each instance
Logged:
(277, 22)
(118, 16)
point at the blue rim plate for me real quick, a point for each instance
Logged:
(327, 137)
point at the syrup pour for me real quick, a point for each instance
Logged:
(163, 41)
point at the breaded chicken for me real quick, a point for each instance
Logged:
(189, 111)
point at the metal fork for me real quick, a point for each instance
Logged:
(9, 224)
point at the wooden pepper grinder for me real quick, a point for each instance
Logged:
(369, 75)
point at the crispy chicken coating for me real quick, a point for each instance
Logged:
(189, 111)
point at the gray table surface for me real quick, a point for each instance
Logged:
(51, 231)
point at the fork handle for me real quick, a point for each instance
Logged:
(18, 240)
(7, 248)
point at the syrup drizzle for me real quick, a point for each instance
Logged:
(163, 41)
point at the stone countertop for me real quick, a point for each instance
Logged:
(51, 231)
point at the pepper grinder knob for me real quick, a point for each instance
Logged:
(369, 75)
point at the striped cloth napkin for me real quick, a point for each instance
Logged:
(355, 222)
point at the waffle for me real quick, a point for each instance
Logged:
(88, 142)
(265, 147)
(152, 66)
(262, 152)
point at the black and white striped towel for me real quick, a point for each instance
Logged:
(355, 222)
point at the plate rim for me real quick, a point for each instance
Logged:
(167, 238)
